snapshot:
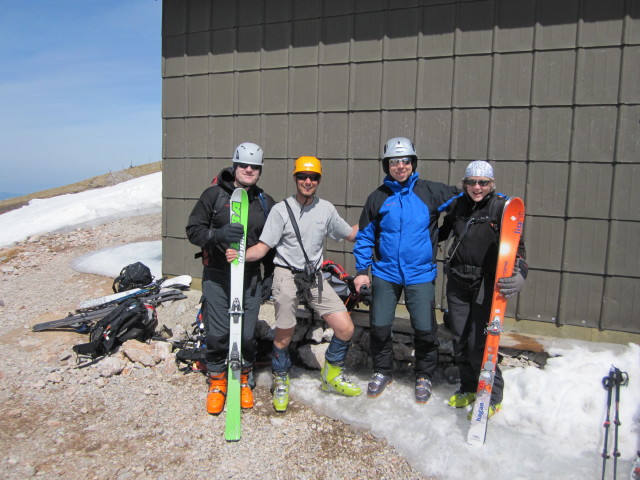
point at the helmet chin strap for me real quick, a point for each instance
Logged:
(307, 198)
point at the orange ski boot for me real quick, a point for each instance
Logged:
(217, 392)
(246, 394)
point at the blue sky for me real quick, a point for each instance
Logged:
(80, 89)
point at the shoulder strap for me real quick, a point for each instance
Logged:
(301, 284)
(496, 207)
(296, 229)
(263, 202)
(219, 202)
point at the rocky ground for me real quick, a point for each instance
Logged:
(124, 420)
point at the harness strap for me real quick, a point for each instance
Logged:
(303, 287)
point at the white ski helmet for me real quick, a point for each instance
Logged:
(398, 147)
(249, 153)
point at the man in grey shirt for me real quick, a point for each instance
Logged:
(316, 219)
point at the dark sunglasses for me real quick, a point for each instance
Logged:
(247, 165)
(314, 177)
(472, 183)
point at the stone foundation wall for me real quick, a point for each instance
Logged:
(312, 336)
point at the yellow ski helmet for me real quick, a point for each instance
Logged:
(308, 164)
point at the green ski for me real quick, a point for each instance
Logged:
(239, 213)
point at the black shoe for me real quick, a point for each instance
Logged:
(377, 384)
(423, 390)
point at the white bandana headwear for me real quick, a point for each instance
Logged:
(479, 168)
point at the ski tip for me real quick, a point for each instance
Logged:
(179, 281)
(476, 436)
(475, 441)
(233, 433)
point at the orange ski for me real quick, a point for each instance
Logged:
(510, 232)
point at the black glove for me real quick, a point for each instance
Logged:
(230, 233)
(266, 288)
(365, 295)
(509, 286)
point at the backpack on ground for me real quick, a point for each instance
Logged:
(135, 275)
(133, 319)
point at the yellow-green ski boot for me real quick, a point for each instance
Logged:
(280, 392)
(461, 399)
(333, 380)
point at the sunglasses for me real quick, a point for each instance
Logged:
(472, 183)
(247, 165)
(314, 177)
(394, 162)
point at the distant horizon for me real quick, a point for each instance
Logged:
(8, 195)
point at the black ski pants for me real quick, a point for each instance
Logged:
(467, 319)
(215, 287)
(419, 300)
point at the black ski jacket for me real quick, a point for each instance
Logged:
(212, 211)
(474, 227)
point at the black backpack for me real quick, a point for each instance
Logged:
(132, 319)
(135, 275)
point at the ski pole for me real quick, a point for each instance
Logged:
(607, 383)
(620, 379)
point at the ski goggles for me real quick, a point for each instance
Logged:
(472, 182)
(314, 177)
(394, 162)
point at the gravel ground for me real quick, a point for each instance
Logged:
(61, 421)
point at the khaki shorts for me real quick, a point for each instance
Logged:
(286, 302)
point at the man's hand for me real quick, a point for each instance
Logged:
(509, 286)
(365, 295)
(231, 254)
(361, 280)
(229, 233)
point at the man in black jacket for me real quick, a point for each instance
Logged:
(473, 225)
(209, 228)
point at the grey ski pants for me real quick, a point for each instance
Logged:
(215, 287)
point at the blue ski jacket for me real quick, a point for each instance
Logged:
(399, 230)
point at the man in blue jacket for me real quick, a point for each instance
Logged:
(397, 240)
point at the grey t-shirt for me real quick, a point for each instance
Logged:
(315, 221)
